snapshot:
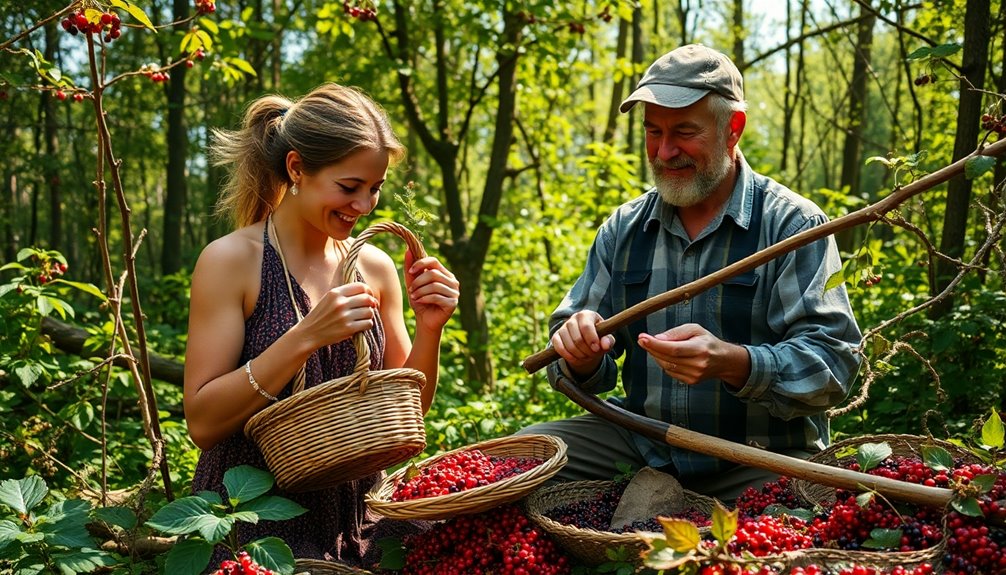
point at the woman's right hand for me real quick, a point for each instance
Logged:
(342, 312)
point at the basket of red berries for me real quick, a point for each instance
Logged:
(578, 514)
(912, 458)
(321, 567)
(470, 479)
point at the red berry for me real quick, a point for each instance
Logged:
(60, 95)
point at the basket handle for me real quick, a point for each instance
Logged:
(349, 274)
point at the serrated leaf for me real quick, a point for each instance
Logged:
(211, 497)
(923, 52)
(22, 495)
(937, 458)
(985, 482)
(992, 431)
(392, 553)
(944, 50)
(188, 557)
(968, 506)
(244, 483)
(884, 539)
(681, 535)
(977, 165)
(119, 516)
(869, 455)
(181, 516)
(273, 508)
(273, 554)
(724, 524)
(214, 529)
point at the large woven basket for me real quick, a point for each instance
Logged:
(350, 427)
(883, 561)
(843, 451)
(590, 546)
(477, 499)
(319, 567)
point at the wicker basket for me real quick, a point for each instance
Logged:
(349, 427)
(901, 445)
(883, 561)
(319, 567)
(588, 545)
(477, 499)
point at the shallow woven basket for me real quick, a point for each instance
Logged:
(590, 546)
(477, 499)
(883, 561)
(350, 427)
(319, 567)
(901, 445)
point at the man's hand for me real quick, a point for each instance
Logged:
(578, 342)
(690, 354)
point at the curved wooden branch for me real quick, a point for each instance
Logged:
(870, 213)
(746, 455)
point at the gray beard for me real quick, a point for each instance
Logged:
(684, 192)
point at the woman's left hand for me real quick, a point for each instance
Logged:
(433, 291)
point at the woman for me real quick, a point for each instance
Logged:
(303, 173)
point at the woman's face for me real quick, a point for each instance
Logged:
(334, 198)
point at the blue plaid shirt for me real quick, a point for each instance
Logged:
(801, 338)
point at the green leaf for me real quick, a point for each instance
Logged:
(119, 516)
(992, 431)
(884, 539)
(273, 508)
(44, 306)
(273, 554)
(83, 560)
(778, 510)
(836, 279)
(864, 499)
(412, 470)
(392, 553)
(64, 524)
(923, 52)
(209, 25)
(244, 483)
(881, 159)
(944, 50)
(937, 458)
(985, 482)
(214, 529)
(977, 165)
(8, 532)
(869, 455)
(681, 535)
(86, 288)
(181, 516)
(12, 266)
(22, 495)
(211, 497)
(968, 506)
(188, 557)
(60, 306)
(242, 65)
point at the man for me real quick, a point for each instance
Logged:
(756, 360)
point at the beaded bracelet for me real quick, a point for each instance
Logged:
(254, 384)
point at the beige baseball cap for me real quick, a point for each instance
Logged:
(684, 75)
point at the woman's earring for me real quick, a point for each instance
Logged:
(293, 189)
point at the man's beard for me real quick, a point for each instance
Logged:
(688, 191)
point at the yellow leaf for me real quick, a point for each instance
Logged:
(681, 535)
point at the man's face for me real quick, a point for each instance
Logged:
(688, 155)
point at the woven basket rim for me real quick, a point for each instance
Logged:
(478, 498)
(326, 567)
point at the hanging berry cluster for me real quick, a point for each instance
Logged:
(462, 470)
(364, 11)
(106, 23)
(153, 71)
(244, 565)
(500, 541)
(994, 124)
(205, 7)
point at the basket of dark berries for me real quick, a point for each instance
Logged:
(470, 479)
(578, 515)
(916, 459)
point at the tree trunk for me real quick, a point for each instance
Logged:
(178, 151)
(738, 33)
(51, 136)
(977, 18)
(787, 101)
(618, 86)
(852, 150)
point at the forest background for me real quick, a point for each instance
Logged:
(516, 155)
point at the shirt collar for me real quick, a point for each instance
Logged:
(738, 207)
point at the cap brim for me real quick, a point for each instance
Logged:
(663, 95)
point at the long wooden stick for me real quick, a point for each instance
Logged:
(870, 213)
(745, 455)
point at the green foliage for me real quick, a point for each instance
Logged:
(207, 520)
(53, 539)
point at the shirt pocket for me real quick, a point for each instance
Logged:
(635, 284)
(734, 307)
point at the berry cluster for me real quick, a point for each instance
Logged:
(994, 124)
(51, 269)
(194, 56)
(597, 511)
(855, 569)
(576, 28)
(847, 525)
(923, 79)
(752, 502)
(61, 96)
(605, 14)
(106, 23)
(769, 535)
(244, 565)
(734, 569)
(205, 7)
(462, 470)
(153, 71)
(362, 11)
(500, 541)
